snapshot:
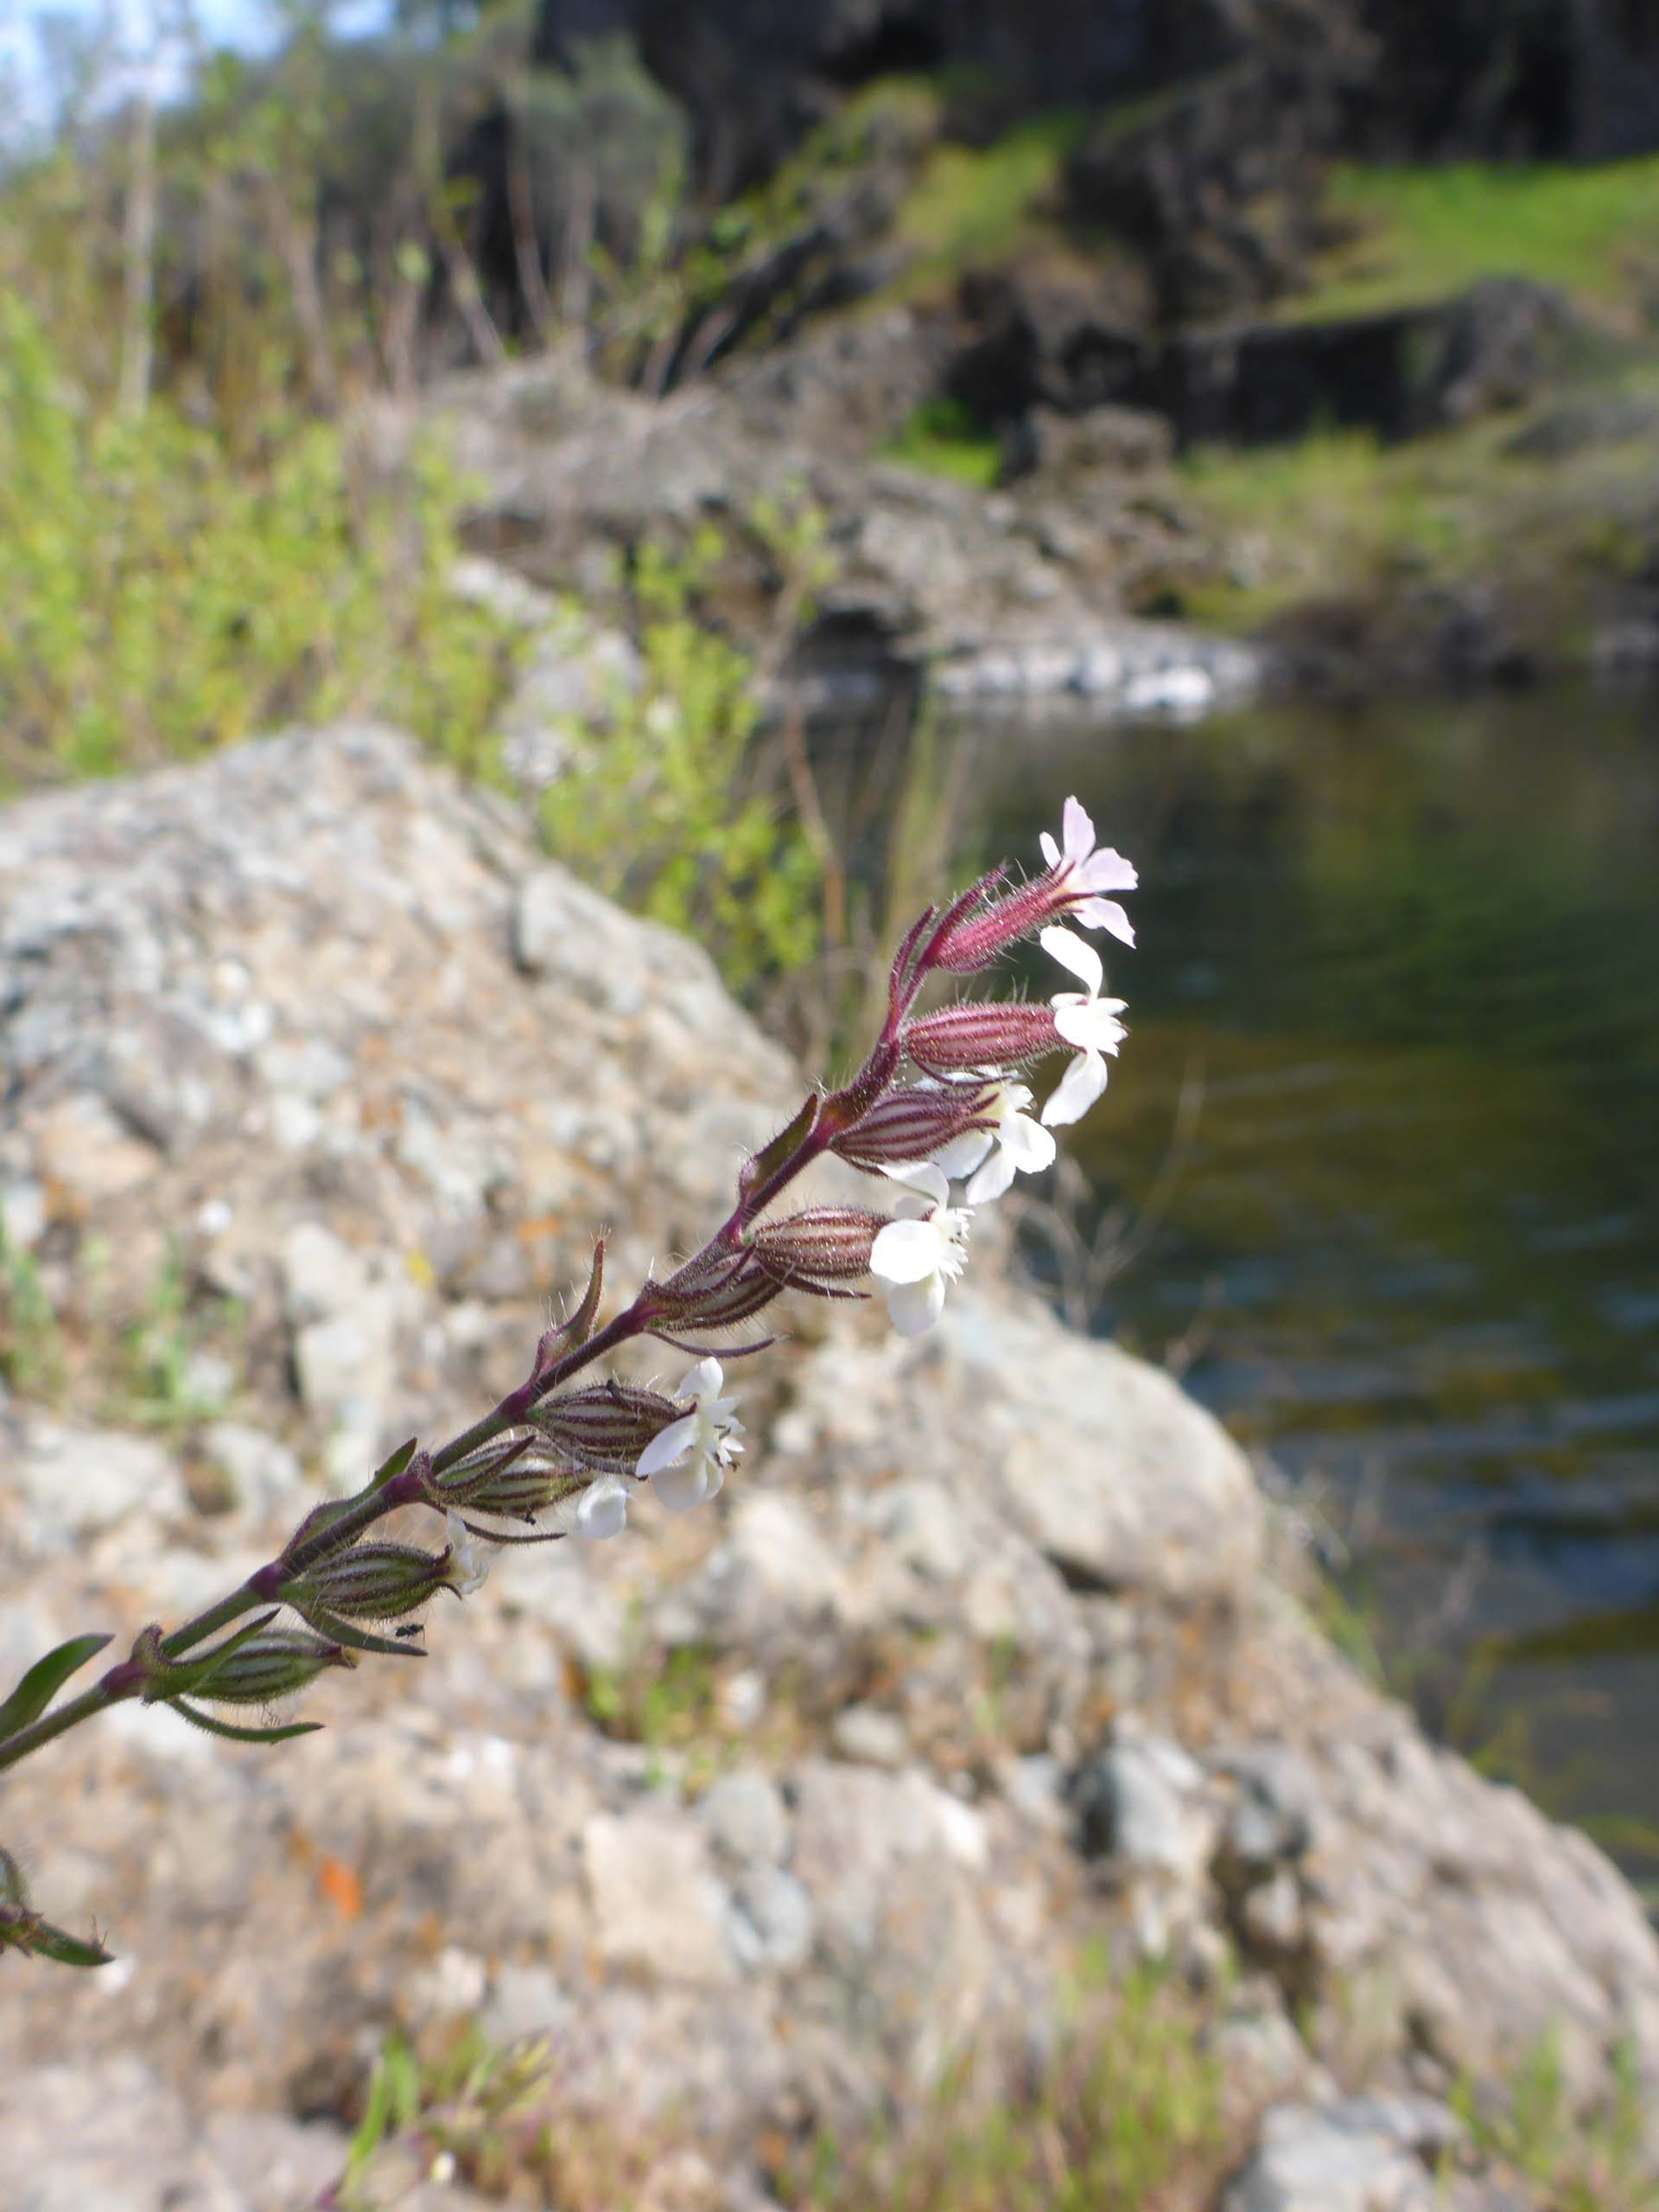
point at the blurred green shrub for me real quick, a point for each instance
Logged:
(157, 599)
(677, 811)
(1125, 2113)
(943, 437)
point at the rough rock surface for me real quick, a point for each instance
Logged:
(1028, 591)
(761, 1814)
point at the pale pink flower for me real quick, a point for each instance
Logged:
(1082, 873)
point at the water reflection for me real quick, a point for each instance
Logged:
(1412, 954)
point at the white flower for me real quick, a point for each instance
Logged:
(468, 1569)
(992, 1156)
(916, 1254)
(1086, 1021)
(603, 1510)
(1084, 873)
(705, 1432)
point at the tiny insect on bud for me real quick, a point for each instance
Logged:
(607, 1428)
(823, 1245)
(272, 1666)
(981, 1034)
(371, 1582)
(913, 1124)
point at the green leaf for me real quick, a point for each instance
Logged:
(50, 1942)
(579, 1327)
(377, 2113)
(404, 2080)
(200, 1719)
(388, 1470)
(765, 1164)
(43, 1682)
(359, 1639)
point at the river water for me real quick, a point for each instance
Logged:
(1378, 1172)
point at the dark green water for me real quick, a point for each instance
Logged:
(1406, 964)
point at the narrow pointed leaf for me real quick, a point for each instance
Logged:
(43, 1682)
(214, 1727)
(507, 1536)
(762, 1166)
(715, 1351)
(580, 1326)
(359, 1639)
(388, 1470)
(50, 1942)
(901, 959)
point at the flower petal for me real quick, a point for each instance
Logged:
(915, 1307)
(702, 1382)
(963, 1154)
(1077, 1091)
(681, 1488)
(604, 1509)
(668, 1445)
(993, 1179)
(1108, 870)
(1026, 1145)
(468, 1570)
(1077, 830)
(1071, 951)
(920, 1175)
(1051, 850)
(1089, 1023)
(906, 1251)
(1105, 914)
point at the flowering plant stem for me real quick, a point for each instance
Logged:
(582, 1451)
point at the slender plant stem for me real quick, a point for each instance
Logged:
(99, 1699)
(357, 1515)
(220, 1615)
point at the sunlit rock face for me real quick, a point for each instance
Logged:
(764, 1813)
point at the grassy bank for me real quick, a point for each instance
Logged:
(1557, 511)
(1403, 236)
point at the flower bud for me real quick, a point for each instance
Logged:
(913, 1124)
(272, 1666)
(981, 1034)
(974, 937)
(607, 1427)
(517, 1489)
(824, 1244)
(715, 1292)
(370, 1582)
